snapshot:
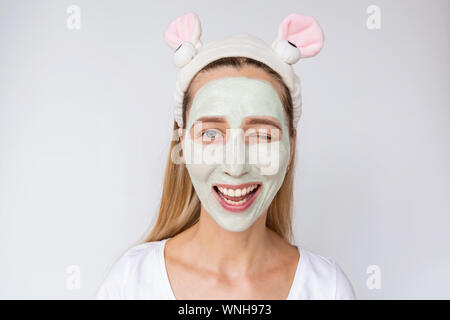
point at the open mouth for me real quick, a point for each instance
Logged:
(237, 198)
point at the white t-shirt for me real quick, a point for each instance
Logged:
(140, 273)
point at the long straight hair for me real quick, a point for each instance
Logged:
(180, 206)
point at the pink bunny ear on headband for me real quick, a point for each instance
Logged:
(299, 36)
(183, 36)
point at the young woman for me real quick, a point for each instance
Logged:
(224, 224)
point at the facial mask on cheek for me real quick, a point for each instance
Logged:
(258, 173)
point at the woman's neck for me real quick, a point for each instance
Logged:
(227, 252)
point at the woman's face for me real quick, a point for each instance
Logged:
(236, 145)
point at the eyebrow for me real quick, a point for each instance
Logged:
(211, 119)
(263, 121)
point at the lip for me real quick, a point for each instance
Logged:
(243, 206)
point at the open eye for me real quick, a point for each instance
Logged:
(211, 134)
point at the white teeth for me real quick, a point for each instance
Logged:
(237, 192)
(235, 203)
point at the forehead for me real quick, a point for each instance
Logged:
(236, 98)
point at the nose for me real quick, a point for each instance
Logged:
(235, 170)
(236, 155)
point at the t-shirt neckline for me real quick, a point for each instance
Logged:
(170, 290)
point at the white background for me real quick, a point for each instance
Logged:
(86, 118)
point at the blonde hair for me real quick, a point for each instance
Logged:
(180, 206)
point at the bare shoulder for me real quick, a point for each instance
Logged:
(287, 252)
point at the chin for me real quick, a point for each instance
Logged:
(234, 225)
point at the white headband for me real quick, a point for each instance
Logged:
(299, 36)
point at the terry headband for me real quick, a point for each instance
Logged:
(299, 36)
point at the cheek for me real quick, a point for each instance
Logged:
(197, 172)
(270, 158)
(201, 160)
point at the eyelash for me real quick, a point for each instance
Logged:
(211, 130)
(219, 134)
(261, 136)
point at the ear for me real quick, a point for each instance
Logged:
(299, 36)
(183, 36)
(181, 139)
(180, 134)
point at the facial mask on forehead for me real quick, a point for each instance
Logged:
(236, 191)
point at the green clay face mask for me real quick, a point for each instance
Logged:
(235, 179)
